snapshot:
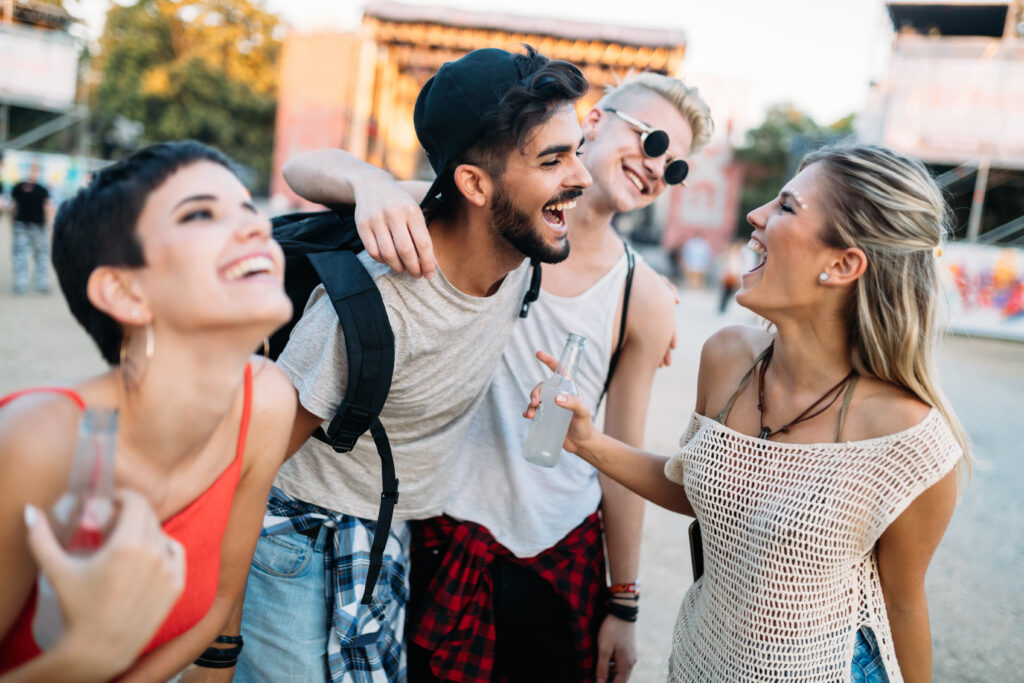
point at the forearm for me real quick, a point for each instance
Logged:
(912, 640)
(640, 472)
(173, 656)
(330, 176)
(63, 664)
(623, 515)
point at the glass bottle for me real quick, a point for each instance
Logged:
(83, 516)
(551, 423)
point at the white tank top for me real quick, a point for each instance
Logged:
(528, 508)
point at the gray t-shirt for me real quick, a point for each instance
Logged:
(447, 345)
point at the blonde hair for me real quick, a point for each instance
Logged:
(890, 207)
(686, 99)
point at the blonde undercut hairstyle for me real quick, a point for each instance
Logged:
(891, 208)
(686, 99)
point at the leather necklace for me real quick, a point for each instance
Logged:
(834, 392)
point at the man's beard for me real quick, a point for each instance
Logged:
(515, 226)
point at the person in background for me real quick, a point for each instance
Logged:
(32, 212)
(821, 459)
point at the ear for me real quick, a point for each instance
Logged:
(590, 122)
(848, 267)
(116, 292)
(474, 183)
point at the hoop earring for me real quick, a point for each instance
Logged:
(266, 348)
(123, 353)
(149, 341)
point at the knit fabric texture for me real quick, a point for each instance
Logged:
(789, 533)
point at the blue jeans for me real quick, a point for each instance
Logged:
(867, 660)
(285, 621)
(30, 244)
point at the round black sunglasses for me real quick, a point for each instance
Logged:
(654, 143)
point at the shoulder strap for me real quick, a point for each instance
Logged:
(724, 414)
(64, 391)
(846, 405)
(534, 291)
(630, 268)
(370, 346)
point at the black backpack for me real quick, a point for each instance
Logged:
(322, 247)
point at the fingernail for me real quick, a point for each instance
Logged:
(31, 513)
(560, 398)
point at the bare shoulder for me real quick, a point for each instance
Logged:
(652, 292)
(37, 443)
(273, 409)
(651, 308)
(724, 358)
(879, 409)
(735, 346)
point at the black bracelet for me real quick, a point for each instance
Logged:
(221, 657)
(624, 612)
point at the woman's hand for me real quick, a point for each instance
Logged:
(114, 600)
(581, 429)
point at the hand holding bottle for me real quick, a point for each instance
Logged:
(114, 600)
(581, 427)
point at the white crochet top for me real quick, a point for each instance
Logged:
(789, 534)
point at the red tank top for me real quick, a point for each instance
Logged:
(199, 527)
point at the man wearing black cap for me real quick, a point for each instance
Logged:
(501, 133)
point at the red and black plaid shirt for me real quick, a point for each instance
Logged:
(457, 624)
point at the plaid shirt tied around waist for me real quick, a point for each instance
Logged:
(365, 641)
(457, 624)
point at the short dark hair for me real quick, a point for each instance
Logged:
(544, 84)
(97, 226)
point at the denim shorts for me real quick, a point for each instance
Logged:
(867, 659)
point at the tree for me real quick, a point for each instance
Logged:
(200, 69)
(773, 151)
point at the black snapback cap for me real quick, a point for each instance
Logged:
(451, 106)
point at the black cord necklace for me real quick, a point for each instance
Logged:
(834, 392)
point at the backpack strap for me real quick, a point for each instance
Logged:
(534, 291)
(370, 345)
(630, 268)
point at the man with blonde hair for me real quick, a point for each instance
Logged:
(520, 549)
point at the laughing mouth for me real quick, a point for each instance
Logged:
(755, 246)
(554, 213)
(249, 267)
(636, 180)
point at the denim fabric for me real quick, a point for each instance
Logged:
(30, 243)
(284, 621)
(867, 660)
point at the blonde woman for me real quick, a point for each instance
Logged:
(820, 458)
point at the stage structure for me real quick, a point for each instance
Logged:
(357, 92)
(954, 97)
(38, 68)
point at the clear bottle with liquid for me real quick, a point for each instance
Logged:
(83, 516)
(551, 423)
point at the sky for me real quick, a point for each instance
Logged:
(744, 55)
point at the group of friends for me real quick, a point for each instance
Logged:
(820, 460)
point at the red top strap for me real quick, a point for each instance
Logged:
(70, 393)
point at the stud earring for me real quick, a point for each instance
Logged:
(823, 277)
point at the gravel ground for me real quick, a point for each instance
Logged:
(974, 585)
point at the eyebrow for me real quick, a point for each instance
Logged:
(193, 198)
(558, 149)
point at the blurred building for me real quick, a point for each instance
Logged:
(357, 92)
(38, 68)
(954, 97)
